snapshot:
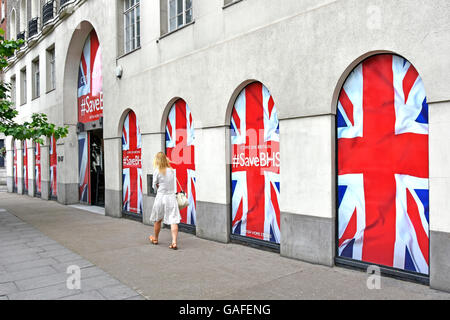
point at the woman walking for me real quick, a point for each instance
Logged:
(165, 209)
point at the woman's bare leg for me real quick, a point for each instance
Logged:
(157, 229)
(174, 229)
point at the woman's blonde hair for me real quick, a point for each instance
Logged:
(161, 162)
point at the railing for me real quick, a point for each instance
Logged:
(62, 3)
(47, 11)
(33, 27)
(21, 35)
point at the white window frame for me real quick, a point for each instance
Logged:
(24, 87)
(183, 13)
(36, 79)
(52, 63)
(13, 92)
(134, 42)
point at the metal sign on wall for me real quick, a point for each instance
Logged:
(255, 165)
(383, 186)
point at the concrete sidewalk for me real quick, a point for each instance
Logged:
(200, 269)
(34, 267)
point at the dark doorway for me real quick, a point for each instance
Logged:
(97, 168)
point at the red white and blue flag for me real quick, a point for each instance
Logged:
(25, 166)
(255, 139)
(84, 168)
(37, 167)
(132, 165)
(383, 189)
(90, 95)
(53, 168)
(15, 165)
(180, 148)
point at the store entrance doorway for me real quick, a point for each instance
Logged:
(91, 164)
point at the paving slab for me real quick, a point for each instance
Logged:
(35, 267)
(7, 288)
(117, 259)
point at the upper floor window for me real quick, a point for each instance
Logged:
(13, 91)
(51, 67)
(3, 11)
(23, 15)
(12, 26)
(180, 13)
(23, 86)
(132, 25)
(36, 79)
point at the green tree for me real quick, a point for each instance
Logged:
(39, 126)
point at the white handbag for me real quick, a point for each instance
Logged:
(182, 200)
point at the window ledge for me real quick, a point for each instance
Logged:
(50, 90)
(173, 31)
(129, 52)
(230, 4)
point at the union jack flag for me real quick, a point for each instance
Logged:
(15, 166)
(383, 189)
(255, 165)
(132, 165)
(84, 167)
(181, 151)
(53, 167)
(37, 167)
(25, 166)
(90, 81)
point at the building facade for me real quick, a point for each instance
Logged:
(316, 128)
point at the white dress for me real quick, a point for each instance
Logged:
(165, 207)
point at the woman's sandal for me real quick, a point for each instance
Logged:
(173, 246)
(153, 240)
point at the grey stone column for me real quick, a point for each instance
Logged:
(307, 198)
(67, 168)
(20, 177)
(113, 177)
(439, 125)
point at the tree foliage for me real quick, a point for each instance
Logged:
(39, 126)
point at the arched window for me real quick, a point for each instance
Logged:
(180, 149)
(35, 8)
(383, 186)
(12, 25)
(23, 15)
(255, 165)
(132, 200)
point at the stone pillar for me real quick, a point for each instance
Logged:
(67, 168)
(439, 123)
(113, 177)
(212, 170)
(307, 204)
(20, 177)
